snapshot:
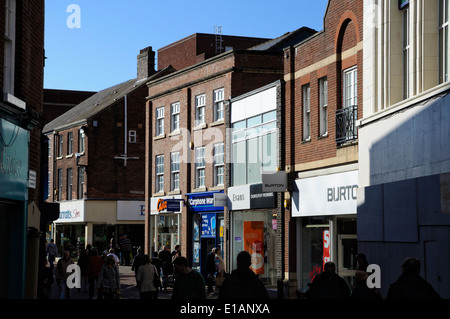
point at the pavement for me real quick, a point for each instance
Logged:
(128, 288)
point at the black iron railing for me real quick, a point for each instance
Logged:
(346, 124)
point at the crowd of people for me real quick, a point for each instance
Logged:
(100, 274)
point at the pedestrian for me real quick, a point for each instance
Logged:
(328, 285)
(157, 263)
(410, 285)
(82, 263)
(137, 262)
(361, 262)
(220, 269)
(62, 275)
(94, 265)
(52, 251)
(166, 266)
(210, 269)
(243, 283)
(146, 275)
(109, 279)
(176, 252)
(361, 290)
(189, 284)
(125, 248)
(114, 256)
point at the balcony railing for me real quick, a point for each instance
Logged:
(346, 124)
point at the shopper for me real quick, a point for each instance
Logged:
(189, 284)
(145, 279)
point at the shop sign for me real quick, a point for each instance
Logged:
(203, 202)
(165, 204)
(274, 182)
(14, 143)
(332, 194)
(71, 212)
(209, 225)
(326, 247)
(131, 210)
(250, 197)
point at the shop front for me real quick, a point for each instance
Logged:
(14, 150)
(83, 222)
(165, 221)
(207, 219)
(325, 208)
(253, 228)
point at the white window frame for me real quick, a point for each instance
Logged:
(200, 166)
(159, 182)
(69, 183)
(323, 101)
(160, 121)
(81, 140)
(60, 145)
(200, 115)
(69, 143)
(132, 136)
(175, 116)
(60, 182)
(175, 170)
(350, 87)
(80, 183)
(219, 164)
(219, 95)
(306, 94)
(443, 40)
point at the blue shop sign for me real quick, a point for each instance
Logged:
(14, 146)
(209, 225)
(202, 202)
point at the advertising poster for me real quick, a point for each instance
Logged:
(326, 247)
(254, 244)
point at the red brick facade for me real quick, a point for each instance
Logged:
(336, 48)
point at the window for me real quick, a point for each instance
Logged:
(218, 164)
(254, 148)
(60, 145)
(306, 113)
(346, 116)
(81, 140)
(159, 174)
(199, 110)
(9, 46)
(200, 164)
(175, 108)
(175, 170)
(443, 41)
(131, 136)
(70, 143)
(60, 182)
(218, 104)
(160, 121)
(80, 188)
(69, 183)
(323, 102)
(405, 44)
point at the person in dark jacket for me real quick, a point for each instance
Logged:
(243, 283)
(410, 285)
(328, 285)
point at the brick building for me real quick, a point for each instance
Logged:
(96, 159)
(186, 142)
(323, 76)
(21, 119)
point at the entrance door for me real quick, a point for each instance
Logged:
(347, 251)
(207, 244)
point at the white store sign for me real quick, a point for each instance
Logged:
(71, 212)
(333, 194)
(131, 210)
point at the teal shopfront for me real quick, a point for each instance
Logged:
(14, 161)
(207, 221)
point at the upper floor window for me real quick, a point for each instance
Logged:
(443, 41)
(9, 46)
(323, 101)
(200, 164)
(80, 188)
(81, 140)
(69, 183)
(218, 104)
(160, 121)
(175, 109)
(306, 112)
(132, 136)
(159, 173)
(175, 170)
(60, 185)
(405, 48)
(200, 110)
(346, 116)
(70, 143)
(60, 145)
(218, 164)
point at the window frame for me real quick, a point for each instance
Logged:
(175, 116)
(306, 99)
(159, 172)
(219, 163)
(443, 40)
(69, 143)
(200, 167)
(200, 112)
(323, 106)
(219, 101)
(80, 183)
(69, 183)
(159, 121)
(175, 171)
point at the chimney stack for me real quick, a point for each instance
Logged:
(145, 63)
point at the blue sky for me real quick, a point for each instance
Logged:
(102, 51)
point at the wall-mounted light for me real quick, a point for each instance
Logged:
(286, 203)
(191, 145)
